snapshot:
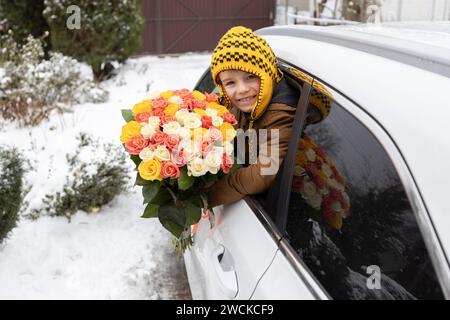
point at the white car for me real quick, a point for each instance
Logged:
(373, 220)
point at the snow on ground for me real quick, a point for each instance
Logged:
(113, 254)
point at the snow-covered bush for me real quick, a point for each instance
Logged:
(31, 87)
(11, 173)
(109, 31)
(97, 173)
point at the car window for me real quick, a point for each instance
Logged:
(206, 83)
(349, 218)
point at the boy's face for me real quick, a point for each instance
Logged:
(241, 87)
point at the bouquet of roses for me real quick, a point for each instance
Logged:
(180, 142)
(320, 183)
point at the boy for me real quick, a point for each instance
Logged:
(244, 69)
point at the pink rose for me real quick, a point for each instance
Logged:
(227, 163)
(159, 103)
(159, 138)
(215, 134)
(136, 144)
(199, 104)
(188, 103)
(171, 142)
(169, 170)
(297, 183)
(183, 93)
(142, 117)
(167, 118)
(178, 158)
(206, 122)
(229, 117)
(158, 113)
(211, 97)
(206, 145)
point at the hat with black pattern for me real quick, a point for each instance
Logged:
(241, 49)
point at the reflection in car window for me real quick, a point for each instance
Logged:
(349, 216)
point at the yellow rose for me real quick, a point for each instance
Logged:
(171, 109)
(167, 94)
(198, 95)
(201, 112)
(150, 170)
(141, 107)
(130, 130)
(228, 131)
(199, 134)
(215, 106)
(301, 159)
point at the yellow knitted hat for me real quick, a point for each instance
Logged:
(241, 49)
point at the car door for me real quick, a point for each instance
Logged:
(350, 230)
(232, 248)
(232, 252)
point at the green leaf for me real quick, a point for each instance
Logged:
(141, 182)
(127, 115)
(193, 213)
(163, 197)
(184, 180)
(234, 167)
(172, 218)
(151, 211)
(149, 191)
(136, 159)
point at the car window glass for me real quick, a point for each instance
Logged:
(206, 84)
(349, 217)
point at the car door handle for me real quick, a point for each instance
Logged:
(226, 275)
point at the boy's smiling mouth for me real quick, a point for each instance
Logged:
(247, 99)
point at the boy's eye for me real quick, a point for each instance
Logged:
(227, 84)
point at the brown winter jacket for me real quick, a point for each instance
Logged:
(248, 180)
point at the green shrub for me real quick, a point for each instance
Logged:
(97, 173)
(25, 18)
(11, 173)
(109, 30)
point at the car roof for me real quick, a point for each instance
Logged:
(406, 94)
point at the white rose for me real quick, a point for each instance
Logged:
(184, 134)
(217, 121)
(299, 171)
(154, 122)
(311, 155)
(213, 160)
(175, 100)
(211, 112)
(315, 201)
(171, 127)
(146, 154)
(148, 131)
(180, 115)
(161, 153)
(326, 170)
(190, 150)
(192, 121)
(336, 207)
(311, 195)
(336, 185)
(197, 167)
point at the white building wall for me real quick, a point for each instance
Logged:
(406, 10)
